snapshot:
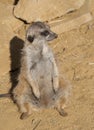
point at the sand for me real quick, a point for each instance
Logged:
(74, 53)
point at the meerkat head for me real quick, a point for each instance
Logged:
(39, 30)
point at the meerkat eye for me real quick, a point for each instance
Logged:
(30, 38)
(45, 33)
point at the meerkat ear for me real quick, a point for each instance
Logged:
(30, 38)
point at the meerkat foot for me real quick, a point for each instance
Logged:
(60, 107)
(24, 115)
(62, 112)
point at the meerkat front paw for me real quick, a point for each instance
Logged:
(36, 93)
(56, 84)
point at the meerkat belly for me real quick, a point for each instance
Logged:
(42, 72)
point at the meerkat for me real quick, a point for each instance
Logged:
(39, 84)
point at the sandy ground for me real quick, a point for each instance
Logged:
(74, 52)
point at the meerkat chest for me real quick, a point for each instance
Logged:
(44, 67)
(47, 53)
(42, 72)
(40, 62)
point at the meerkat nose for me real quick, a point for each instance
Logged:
(55, 35)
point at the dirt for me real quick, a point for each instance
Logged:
(74, 52)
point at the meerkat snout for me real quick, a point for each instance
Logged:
(39, 30)
(48, 35)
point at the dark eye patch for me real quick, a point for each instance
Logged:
(45, 33)
(30, 38)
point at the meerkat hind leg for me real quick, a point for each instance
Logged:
(21, 99)
(26, 114)
(65, 89)
(60, 107)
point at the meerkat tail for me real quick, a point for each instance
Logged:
(5, 95)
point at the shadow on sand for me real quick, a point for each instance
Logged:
(16, 46)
